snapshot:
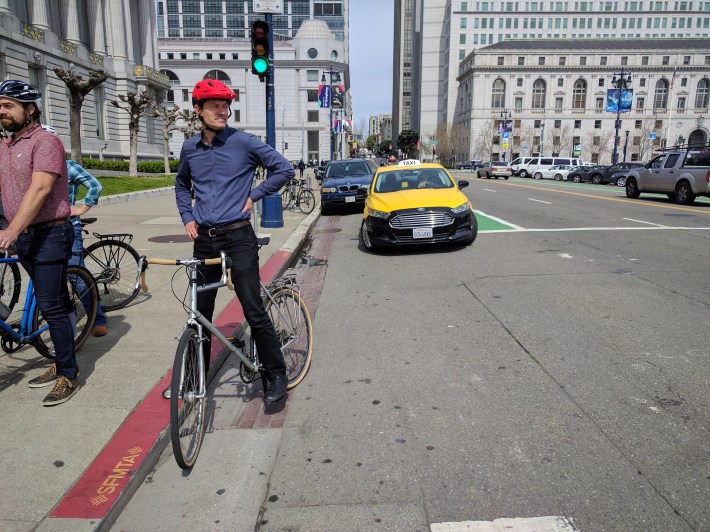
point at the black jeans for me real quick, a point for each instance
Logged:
(241, 247)
(44, 253)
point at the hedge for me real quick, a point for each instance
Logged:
(152, 167)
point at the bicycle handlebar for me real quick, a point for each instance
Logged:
(222, 260)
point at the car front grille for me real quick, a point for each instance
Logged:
(421, 219)
(348, 188)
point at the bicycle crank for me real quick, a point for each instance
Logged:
(8, 344)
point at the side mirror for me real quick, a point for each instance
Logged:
(463, 184)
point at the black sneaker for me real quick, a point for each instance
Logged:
(47, 378)
(63, 390)
(277, 389)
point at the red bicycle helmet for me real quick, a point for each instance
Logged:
(211, 89)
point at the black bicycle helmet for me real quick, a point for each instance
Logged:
(20, 91)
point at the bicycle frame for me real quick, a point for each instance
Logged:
(25, 335)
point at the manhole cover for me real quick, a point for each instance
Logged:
(170, 239)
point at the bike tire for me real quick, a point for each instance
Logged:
(10, 284)
(294, 329)
(83, 296)
(306, 201)
(286, 198)
(187, 400)
(116, 266)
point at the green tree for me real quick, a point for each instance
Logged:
(383, 148)
(407, 141)
(371, 142)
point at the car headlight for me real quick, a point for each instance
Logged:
(462, 208)
(329, 189)
(378, 214)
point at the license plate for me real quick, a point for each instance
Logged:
(349, 199)
(422, 232)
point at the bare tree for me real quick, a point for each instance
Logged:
(78, 89)
(136, 105)
(193, 124)
(641, 144)
(483, 144)
(170, 117)
(561, 141)
(597, 143)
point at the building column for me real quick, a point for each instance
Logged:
(70, 20)
(39, 14)
(97, 37)
(129, 17)
(148, 31)
(116, 29)
(4, 6)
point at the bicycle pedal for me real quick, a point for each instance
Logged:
(236, 342)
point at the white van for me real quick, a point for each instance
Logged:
(515, 165)
(544, 163)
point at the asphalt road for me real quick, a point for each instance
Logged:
(556, 368)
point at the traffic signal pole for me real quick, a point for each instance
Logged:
(270, 99)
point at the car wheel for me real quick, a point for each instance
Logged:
(365, 238)
(474, 230)
(621, 182)
(671, 196)
(506, 177)
(537, 175)
(576, 179)
(597, 179)
(558, 177)
(523, 173)
(478, 174)
(684, 194)
(495, 176)
(632, 188)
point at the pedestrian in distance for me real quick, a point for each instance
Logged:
(219, 219)
(35, 198)
(301, 167)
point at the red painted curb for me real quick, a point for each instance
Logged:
(99, 488)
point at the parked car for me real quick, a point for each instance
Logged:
(515, 165)
(345, 183)
(495, 169)
(415, 203)
(558, 172)
(469, 165)
(580, 174)
(528, 168)
(619, 178)
(603, 175)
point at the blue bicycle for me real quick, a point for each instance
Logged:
(30, 328)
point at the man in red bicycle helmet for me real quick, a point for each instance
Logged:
(217, 167)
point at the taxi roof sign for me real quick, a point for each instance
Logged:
(409, 162)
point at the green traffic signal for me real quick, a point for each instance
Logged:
(260, 65)
(260, 33)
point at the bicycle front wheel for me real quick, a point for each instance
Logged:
(187, 400)
(115, 266)
(306, 201)
(294, 329)
(10, 284)
(82, 293)
(286, 198)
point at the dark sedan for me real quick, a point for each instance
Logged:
(604, 174)
(583, 173)
(345, 183)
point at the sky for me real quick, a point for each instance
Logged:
(371, 40)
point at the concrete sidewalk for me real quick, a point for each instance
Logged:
(51, 452)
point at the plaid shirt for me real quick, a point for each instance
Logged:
(78, 176)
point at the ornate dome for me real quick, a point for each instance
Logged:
(314, 29)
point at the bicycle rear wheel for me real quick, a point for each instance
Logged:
(10, 284)
(306, 201)
(286, 197)
(187, 400)
(115, 266)
(82, 293)
(294, 329)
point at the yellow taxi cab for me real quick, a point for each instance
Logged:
(416, 203)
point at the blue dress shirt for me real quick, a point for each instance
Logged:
(221, 176)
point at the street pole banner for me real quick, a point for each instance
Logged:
(619, 103)
(336, 126)
(338, 94)
(324, 96)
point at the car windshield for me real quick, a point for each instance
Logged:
(499, 163)
(346, 169)
(411, 178)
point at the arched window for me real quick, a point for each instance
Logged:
(579, 94)
(498, 96)
(701, 96)
(218, 74)
(660, 98)
(538, 96)
(172, 76)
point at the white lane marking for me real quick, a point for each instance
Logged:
(495, 219)
(553, 523)
(642, 222)
(489, 190)
(540, 201)
(563, 229)
(565, 255)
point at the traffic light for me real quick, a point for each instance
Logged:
(260, 48)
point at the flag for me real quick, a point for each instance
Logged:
(673, 78)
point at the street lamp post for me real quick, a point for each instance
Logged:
(505, 118)
(542, 139)
(681, 140)
(626, 142)
(620, 83)
(331, 72)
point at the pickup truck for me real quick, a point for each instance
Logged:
(681, 174)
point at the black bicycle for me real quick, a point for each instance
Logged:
(296, 195)
(115, 265)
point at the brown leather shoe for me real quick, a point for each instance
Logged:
(100, 330)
